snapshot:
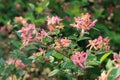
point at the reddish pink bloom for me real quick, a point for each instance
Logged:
(3, 28)
(42, 51)
(84, 23)
(115, 57)
(117, 66)
(99, 43)
(103, 76)
(111, 9)
(51, 28)
(20, 64)
(21, 20)
(43, 33)
(80, 59)
(118, 78)
(53, 20)
(65, 42)
(54, 23)
(58, 46)
(27, 34)
(68, 18)
(10, 61)
(66, 6)
(17, 63)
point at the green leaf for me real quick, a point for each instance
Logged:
(58, 55)
(32, 6)
(16, 43)
(47, 40)
(30, 16)
(20, 73)
(31, 48)
(54, 72)
(39, 9)
(104, 56)
(114, 73)
(109, 64)
(72, 37)
(68, 64)
(93, 62)
(84, 38)
(98, 12)
(46, 3)
(50, 52)
(91, 57)
(1, 62)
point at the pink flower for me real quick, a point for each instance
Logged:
(54, 23)
(66, 6)
(51, 28)
(68, 18)
(118, 78)
(103, 76)
(53, 20)
(84, 23)
(43, 33)
(99, 43)
(80, 59)
(27, 34)
(21, 20)
(17, 63)
(115, 57)
(20, 64)
(58, 46)
(65, 42)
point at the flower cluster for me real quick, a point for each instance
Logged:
(103, 76)
(84, 23)
(42, 34)
(21, 20)
(28, 34)
(54, 23)
(17, 62)
(80, 59)
(99, 43)
(62, 43)
(116, 59)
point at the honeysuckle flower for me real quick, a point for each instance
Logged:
(60, 26)
(84, 23)
(58, 46)
(115, 57)
(43, 33)
(66, 6)
(53, 20)
(28, 34)
(118, 78)
(51, 28)
(54, 23)
(65, 42)
(68, 18)
(20, 64)
(21, 20)
(17, 62)
(42, 51)
(79, 59)
(103, 76)
(99, 43)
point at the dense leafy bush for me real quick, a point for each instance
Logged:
(59, 40)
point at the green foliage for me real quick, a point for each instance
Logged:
(46, 57)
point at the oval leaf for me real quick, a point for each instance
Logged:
(53, 72)
(104, 57)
